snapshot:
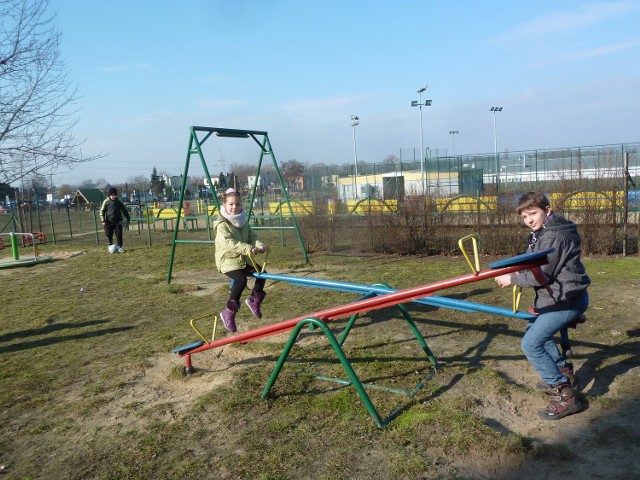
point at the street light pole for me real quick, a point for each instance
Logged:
(453, 141)
(495, 146)
(419, 103)
(355, 120)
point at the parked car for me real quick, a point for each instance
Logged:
(4, 209)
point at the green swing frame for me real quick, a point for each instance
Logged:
(197, 137)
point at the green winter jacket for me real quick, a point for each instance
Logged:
(233, 245)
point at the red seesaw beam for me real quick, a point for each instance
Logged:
(374, 303)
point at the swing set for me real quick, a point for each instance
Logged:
(198, 136)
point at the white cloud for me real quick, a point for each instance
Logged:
(596, 52)
(565, 22)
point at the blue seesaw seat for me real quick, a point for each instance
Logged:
(523, 258)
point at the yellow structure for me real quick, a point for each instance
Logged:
(303, 207)
(372, 205)
(467, 204)
(588, 200)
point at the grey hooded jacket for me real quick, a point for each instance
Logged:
(567, 280)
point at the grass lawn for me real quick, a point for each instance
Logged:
(89, 387)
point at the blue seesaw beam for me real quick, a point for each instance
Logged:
(434, 301)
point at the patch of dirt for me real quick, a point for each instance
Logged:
(62, 255)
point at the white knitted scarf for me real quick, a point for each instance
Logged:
(238, 220)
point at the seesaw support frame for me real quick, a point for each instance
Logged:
(354, 380)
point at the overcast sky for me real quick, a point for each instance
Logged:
(566, 74)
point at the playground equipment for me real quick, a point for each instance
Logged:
(374, 297)
(27, 240)
(195, 148)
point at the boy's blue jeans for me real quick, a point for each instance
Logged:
(539, 345)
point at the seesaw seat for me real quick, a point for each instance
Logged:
(523, 258)
(186, 348)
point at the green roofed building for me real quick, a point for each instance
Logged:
(88, 196)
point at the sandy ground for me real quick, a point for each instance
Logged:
(603, 438)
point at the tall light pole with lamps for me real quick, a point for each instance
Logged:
(427, 103)
(453, 141)
(355, 120)
(495, 145)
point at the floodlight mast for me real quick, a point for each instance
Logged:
(495, 145)
(355, 120)
(427, 103)
(453, 141)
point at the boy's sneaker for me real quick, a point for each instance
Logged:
(563, 402)
(121, 250)
(567, 372)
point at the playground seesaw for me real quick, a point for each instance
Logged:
(382, 289)
(374, 298)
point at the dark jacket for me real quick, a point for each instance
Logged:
(112, 211)
(567, 280)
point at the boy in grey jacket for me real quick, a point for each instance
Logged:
(559, 302)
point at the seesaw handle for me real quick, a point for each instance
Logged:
(475, 267)
(193, 321)
(255, 265)
(517, 295)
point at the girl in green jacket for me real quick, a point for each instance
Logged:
(235, 240)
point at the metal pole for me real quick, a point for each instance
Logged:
(421, 146)
(453, 141)
(625, 203)
(495, 138)
(355, 120)
(495, 147)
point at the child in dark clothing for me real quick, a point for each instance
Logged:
(111, 213)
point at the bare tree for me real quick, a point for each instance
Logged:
(37, 112)
(291, 169)
(139, 183)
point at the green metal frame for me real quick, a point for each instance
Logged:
(195, 148)
(336, 344)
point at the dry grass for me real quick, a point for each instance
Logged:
(89, 388)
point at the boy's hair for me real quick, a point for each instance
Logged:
(532, 200)
(230, 192)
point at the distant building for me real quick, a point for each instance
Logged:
(92, 197)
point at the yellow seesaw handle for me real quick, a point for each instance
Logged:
(264, 264)
(193, 321)
(517, 295)
(475, 268)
